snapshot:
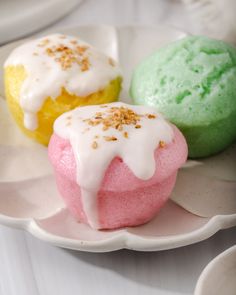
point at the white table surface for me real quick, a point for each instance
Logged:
(31, 267)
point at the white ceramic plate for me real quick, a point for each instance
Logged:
(20, 18)
(29, 199)
(219, 275)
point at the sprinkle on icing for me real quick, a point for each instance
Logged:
(116, 117)
(98, 134)
(55, 62)
(94, 145)
(67, 56)
(162, 144)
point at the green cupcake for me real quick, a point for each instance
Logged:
(193, 83)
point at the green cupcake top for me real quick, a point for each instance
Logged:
(192, 81)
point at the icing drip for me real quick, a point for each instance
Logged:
(55, 62)
(98, 134)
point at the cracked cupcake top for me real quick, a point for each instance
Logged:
(192, 81)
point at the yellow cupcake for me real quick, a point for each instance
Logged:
(52, 75)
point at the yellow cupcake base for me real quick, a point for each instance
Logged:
(52, 108)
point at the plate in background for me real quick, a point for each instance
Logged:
(22, 17)
(218, 277)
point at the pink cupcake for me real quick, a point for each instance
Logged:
(115, 164)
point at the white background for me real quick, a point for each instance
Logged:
(31, 267)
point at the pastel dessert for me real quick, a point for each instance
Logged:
(193, 83)
(52, 75)
(115, 164)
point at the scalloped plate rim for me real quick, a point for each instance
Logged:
(123, 239)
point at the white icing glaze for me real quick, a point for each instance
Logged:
(137, 151)
(46, 77)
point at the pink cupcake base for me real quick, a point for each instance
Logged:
(123, 199)
(118, 209)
